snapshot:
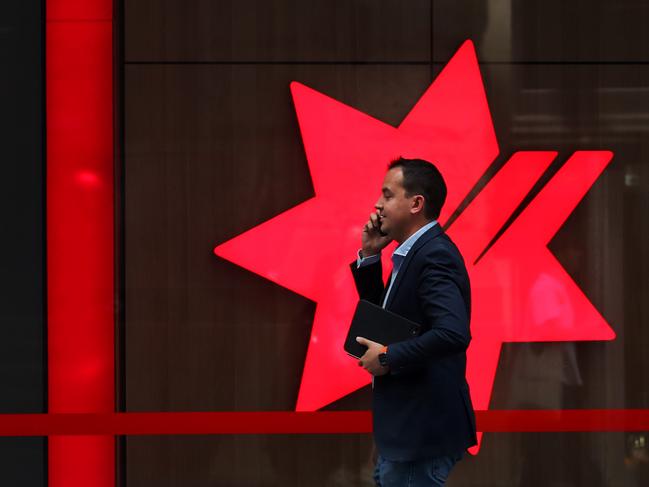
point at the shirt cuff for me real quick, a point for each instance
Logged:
(363, 261)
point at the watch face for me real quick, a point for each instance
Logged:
(383, 359)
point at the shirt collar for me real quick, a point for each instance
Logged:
(403, 249)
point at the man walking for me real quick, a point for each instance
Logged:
(423, 417)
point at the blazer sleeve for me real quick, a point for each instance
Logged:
(369, 281)
(444, 309)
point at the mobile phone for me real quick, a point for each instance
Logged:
(381, 232)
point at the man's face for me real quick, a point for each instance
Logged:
(394, 206)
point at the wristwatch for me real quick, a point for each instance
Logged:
(383, 357)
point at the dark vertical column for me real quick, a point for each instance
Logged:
(22, 246)
(119, 264)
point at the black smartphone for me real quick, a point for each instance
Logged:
(383, 234)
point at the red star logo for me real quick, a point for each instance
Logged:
(520, 291)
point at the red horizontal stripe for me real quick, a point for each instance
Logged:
(329, 422)
(563, 420)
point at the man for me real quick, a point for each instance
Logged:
(423, 417)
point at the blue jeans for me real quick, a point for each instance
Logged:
(429, 472)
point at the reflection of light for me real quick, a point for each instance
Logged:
(91, 369)
(88, 179)
(631, 179)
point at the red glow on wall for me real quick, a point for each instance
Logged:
(520, 291)
(79, 94)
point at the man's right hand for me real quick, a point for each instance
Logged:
(373, 241)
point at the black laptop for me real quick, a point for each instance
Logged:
(379, 325)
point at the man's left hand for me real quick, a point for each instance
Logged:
(370, 360)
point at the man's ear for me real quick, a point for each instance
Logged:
(417, 205)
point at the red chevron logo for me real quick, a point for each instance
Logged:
(520, 292)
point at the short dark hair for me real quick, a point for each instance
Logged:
(422, 177)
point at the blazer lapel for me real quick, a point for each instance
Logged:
(385, 289)
(421, 241)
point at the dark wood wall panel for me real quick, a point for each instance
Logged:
(251, 460)
(212, 151)
(282, 30)
(517, 31)
(212, 148)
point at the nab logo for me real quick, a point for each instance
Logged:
(520, 292)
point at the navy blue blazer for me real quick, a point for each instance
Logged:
(422, 408)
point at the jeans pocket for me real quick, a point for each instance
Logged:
(442, 467)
